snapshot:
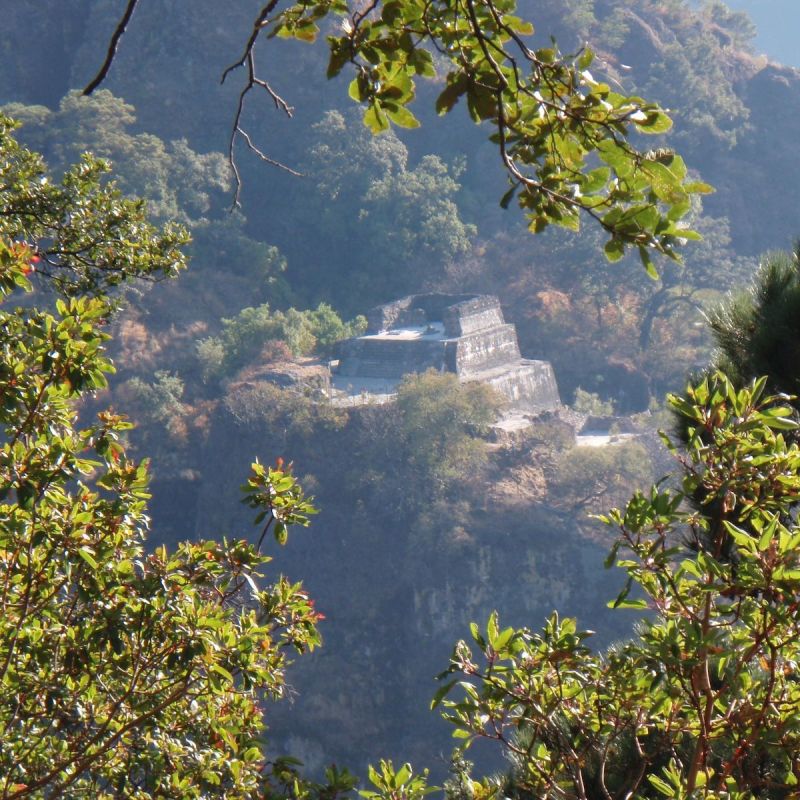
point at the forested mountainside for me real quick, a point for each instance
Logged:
(390, 216)
(424, 527)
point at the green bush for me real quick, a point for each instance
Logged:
(159, 400)
(441, 424)
(591, 403)
(314, 331)
(594, 477)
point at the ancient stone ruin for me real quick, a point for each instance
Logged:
(461, 333)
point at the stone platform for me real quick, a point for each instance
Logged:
(463, 334)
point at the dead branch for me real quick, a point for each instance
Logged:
(253, 82)
(112, 48)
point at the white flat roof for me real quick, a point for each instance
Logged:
(434, 331)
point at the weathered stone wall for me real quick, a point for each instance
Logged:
(492, 347)
(381, 358)
(530, 386)
(435, 305)
(382, 318)
(475, 314)
(416, 309)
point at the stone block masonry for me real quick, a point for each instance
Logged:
(461, 333)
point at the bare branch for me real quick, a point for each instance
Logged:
(253, 81)
(112, 48)
(237, 131)
(260, 21)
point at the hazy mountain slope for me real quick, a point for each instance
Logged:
(778, 23)
(398, 587)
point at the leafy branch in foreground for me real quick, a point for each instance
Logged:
(565, 137)
(704, 702)
(123, 672)
(86, 237)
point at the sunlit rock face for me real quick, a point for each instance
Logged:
(461, 333)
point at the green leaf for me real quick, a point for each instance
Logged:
(655, 122)
(520, 26)
(281, 533)
(492, 628)
(596, 180)
(357, 89)
(616, 156)
(647, 263)
(679, 210)
(698, 187)
(375, 119)
(450, 95)
(220, 670)
(614, 250)
(611, 558)
(481, 103)
(442, 692)
(403, 774)
(780, 424)
(403, 117)
(637, 604)
(338, 58)
(392, 12)
(661, 786)
(88, 557)
(26, 495)
(506, 199)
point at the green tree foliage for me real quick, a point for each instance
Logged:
(756, 333)
(124, 673)
(737, 26)
(424, 447)
(552, 120)
(564, 136)
(595, 477)
(591, 403)
(412, 219)
(161, 397)
(156, 404)
(756, 330)
(703, 702)
(178, 183)
(245, 336)
(441, 422)
(696, 57)
(383, 228)
(86, 236)
(228, 265)
(286, 416)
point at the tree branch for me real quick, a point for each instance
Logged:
(112, 48)
(253, 81)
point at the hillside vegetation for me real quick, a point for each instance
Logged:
(430, 519)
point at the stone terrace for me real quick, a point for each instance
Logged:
(461, 333)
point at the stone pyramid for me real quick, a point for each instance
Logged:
(461, 333)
